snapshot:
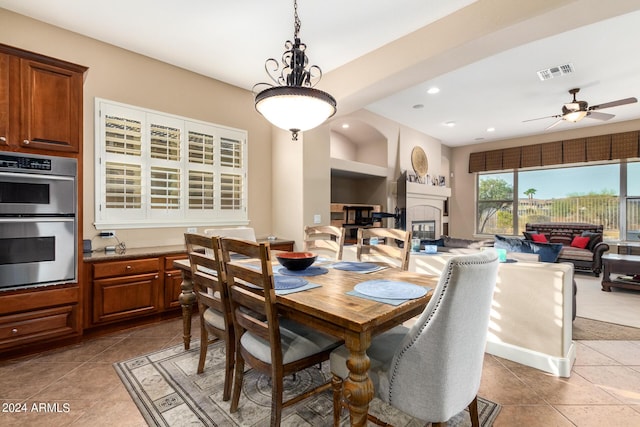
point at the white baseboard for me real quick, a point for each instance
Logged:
(558, 366)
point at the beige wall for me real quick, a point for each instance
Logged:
(462, 204)
(123, 76)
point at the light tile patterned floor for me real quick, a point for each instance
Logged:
(81, 387)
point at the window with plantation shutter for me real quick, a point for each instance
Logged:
(160, 170)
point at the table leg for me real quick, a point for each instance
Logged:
(186, 298)
(358, 388)
(606, 270)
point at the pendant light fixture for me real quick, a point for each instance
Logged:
(292, 103)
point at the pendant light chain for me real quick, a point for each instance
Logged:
(296, 20)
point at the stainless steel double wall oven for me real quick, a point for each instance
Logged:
(38, 220)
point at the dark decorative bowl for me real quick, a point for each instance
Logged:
(296, 260)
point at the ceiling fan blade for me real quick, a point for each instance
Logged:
(600, 116)
(555, 124)
(540, 118)
(614, 103)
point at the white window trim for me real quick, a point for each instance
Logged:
(182, 217)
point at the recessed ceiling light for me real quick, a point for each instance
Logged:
(418, 106)
(450, 124)
(433, 90)
(491, 129)
(345, 126)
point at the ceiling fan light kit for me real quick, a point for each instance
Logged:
(292, 103)
(575, 110)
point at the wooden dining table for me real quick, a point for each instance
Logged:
(354, 319)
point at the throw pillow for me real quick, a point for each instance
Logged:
(540, 238)
(529, 234)
(594, 239)
(580, 242)
(547, 252)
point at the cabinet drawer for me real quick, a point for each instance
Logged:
(125, 268)
(37, 325)
(168, 261)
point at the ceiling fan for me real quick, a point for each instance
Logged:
(576, 110)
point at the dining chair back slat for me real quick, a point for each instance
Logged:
(324, 240)
(392, 246)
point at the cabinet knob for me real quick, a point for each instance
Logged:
(25, 142)
(128, 267)
(3, 139)
(168, 274)
(14, 331)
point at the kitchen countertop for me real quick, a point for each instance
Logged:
(153, 251)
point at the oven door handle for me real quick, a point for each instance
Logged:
(23, 219)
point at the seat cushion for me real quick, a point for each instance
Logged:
(297, 341)
(214, 318)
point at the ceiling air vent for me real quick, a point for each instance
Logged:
(556, 71)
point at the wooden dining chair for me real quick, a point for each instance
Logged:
(207, 275)
(270, 344)
(324, 239)
(392, 246)
(433, 370)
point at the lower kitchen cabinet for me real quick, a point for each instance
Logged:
(39, 316)
(172, 282)
(125, 289)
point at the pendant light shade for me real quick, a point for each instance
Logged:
(292, 103)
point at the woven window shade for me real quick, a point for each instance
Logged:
(551, 153)
(494, 160)
(598, 148)
(511, 158)
(574, 151)
(624, 145)
(476, 162)
(531, 156)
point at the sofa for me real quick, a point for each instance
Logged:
(456, 245)
(582, 243)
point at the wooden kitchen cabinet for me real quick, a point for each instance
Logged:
(125, 289)
(172, 282)
(39, 316)
(40, 102)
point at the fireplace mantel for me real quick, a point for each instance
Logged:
(414, 189)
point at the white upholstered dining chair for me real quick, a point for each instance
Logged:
(433, 370)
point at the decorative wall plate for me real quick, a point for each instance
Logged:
(419, 161)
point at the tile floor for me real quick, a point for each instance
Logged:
(81, 388)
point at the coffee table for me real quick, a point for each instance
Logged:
(621, 264)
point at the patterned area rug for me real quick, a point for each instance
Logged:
(168, 392)
(588, 329)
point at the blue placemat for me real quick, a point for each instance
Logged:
(314, 270)
(300, 289)
(287, 282)
(390, 289)
(358, 267)
(382, 300)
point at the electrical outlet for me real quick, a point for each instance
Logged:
(192, 230)
(107, 234)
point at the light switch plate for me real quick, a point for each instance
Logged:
(317, 219)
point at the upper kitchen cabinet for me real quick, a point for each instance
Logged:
(40, 102)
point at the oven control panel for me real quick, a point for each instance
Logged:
(8, 162)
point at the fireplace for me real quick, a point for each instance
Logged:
(422, 206)
(423, 230)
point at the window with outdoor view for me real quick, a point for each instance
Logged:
(589, 194)
(633, 202)
(159, 170)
